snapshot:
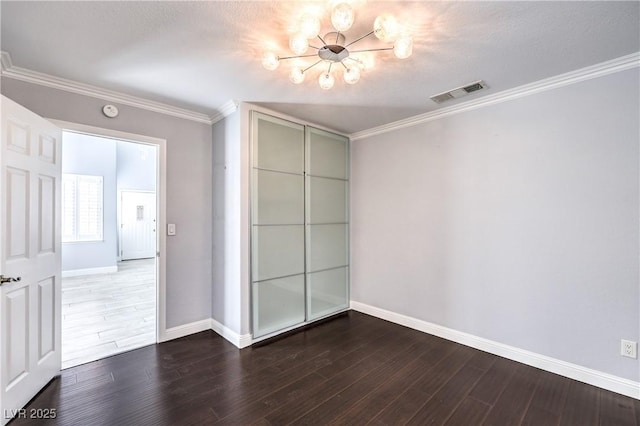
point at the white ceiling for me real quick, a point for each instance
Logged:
(199, 55)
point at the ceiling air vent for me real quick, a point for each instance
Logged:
(459, 92)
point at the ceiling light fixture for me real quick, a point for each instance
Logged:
(334, 49)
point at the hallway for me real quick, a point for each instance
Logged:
(106, 314)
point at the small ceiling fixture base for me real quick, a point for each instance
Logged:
(334, 47)
(333, 52)
(110, 111)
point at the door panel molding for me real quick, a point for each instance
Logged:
(17, 199)
(46, 317)
(18, 137)
(17, 309)
(47, 149)
(46, 214)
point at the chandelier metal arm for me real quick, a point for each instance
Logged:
(311, 66)
(358, 39)
(371, 50)
(324, 43)
(297, 56)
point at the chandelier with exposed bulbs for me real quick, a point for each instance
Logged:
(334, 49)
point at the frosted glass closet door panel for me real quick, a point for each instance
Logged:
(326, 247)
(278, 198)
(327, 154)
(277, 251)
(280, 145)
(278, 304)
(327, 200)
(327, 292)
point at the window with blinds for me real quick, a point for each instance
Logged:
(82, 208)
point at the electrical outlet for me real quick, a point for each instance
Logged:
(629, 349)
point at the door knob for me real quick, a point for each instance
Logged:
(4, 279)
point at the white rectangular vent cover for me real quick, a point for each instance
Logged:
(459, 92)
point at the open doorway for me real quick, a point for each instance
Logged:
(109, 246)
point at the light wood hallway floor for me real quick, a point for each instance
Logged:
(106, 314)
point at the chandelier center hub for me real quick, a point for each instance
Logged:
(333, 53)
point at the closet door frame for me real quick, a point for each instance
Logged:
(253, 139)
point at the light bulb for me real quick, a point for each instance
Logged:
(298, 44)
(403, 47)
(296, 76)
(342, 17)
(326, 81)
(270, 61)
(351, 75)
(309, 25)
(385, 27)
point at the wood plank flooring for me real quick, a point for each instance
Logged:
(352, 370)
(106, 314)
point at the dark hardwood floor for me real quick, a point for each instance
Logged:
(353, 370)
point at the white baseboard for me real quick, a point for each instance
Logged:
(239, 340)
(90, 271)
(185, 330)
(573, 371)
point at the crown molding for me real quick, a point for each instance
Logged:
(225, 110)
(587, 73)
(609, 67)
(42, 79)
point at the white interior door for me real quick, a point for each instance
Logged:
(30, 174)
(138, 225)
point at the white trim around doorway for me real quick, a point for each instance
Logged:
(161, 179)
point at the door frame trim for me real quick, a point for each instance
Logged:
(161, 202)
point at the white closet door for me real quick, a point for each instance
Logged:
(277, 237)
(327, 224)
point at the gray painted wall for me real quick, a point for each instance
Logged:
(226, 302)
(189, 176)
(136, 166)
(89, 155)
(516, 222)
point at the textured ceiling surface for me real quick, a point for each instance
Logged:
(199, 55)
